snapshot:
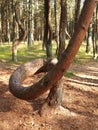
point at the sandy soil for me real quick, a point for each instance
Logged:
(80, 103)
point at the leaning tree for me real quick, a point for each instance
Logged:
(55, 71)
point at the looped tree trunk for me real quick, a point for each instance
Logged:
(21, 73)
(27, 70)
(56, 73)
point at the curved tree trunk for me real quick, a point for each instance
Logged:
(53, 76)
(22, 36)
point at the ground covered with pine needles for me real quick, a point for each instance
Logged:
(79, 109)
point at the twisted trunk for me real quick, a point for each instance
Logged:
(53, 76)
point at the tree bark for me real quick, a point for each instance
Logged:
(94, 34)
(89, 40)
(56, 35)
(22, 36)
(53, 76)
(56, 92)
(62, 28)
(3, 20)
(30, 24)
(77, 12)
(48, 30)
(54, 98)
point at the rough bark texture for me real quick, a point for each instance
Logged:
(21, 74)
(53, 76)
(54, 98)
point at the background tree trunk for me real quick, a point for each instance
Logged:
(94, 35)
(62, 27)
(8, 21)
(56, 34)
(22, 36)
(48, 30)
(89, 40)
(77, 12)
(30, 24)
(3, 22)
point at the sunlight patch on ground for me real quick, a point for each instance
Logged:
(62, 110)
(84, 83)
(87, 76)
(93, 68)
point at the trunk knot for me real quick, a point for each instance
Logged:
(83, 27)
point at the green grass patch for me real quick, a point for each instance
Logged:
(69, 74)
(82, 56)
(26, 54)
(5, 52)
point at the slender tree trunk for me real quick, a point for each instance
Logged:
(40, 19)
(96, 29)
(22, 36)
(8, 21)
(56, 36)
(89, 40)
(48, 30)
(62, 28)
(29, 24)
(94, 38)
(77, 12)
(25, 16)
(3, 22)
(13, 34)
(0, 29)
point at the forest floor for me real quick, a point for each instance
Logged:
(80, 103)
